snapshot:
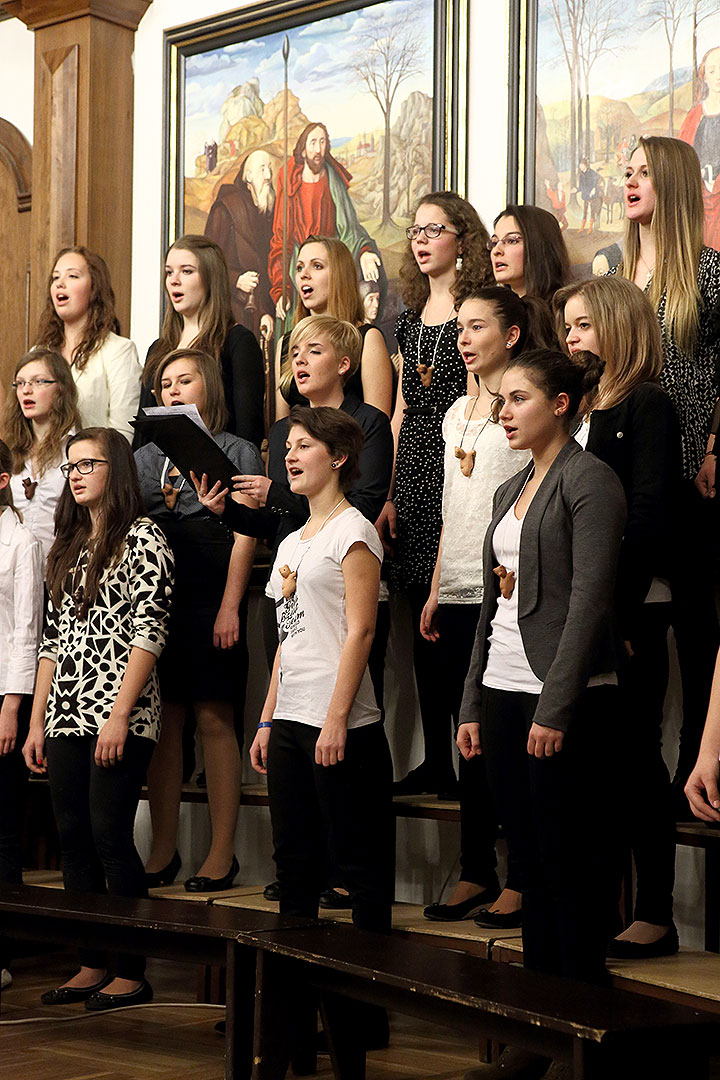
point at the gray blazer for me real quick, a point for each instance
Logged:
(569, 549)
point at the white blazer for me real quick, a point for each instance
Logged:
(109, 386)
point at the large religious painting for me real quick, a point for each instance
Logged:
(312, 118)
(598, 74)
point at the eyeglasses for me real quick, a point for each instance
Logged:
(22, 384)
(511, 239)
(432, 230)
(87, 465)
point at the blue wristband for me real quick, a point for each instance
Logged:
(264, 723)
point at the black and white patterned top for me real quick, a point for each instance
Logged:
(421, 449)
(692, 382)
(91, 654)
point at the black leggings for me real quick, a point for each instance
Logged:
(345, 809)
(13, 778)
(95, 812)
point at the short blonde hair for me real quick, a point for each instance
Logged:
(344, 338)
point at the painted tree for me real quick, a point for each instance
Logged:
(567, 18)
(701, 10)
(601, 27)
(669, 14)
(388, 56)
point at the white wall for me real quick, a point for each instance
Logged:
(17, 63)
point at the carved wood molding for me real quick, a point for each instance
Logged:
(62, 106)
(16, 156)
(39, 13)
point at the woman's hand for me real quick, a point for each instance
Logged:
(9, 723)
(259, 749)
(111, 742)
(428, 619)
(214, 499)
(543, 742)
(34, 750)
(468, 740)
(330, 745)
(702, 789)
(226, 631)
(705, 479)
(256, 487)
(387, 524)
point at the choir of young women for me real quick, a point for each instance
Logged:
(527, 493)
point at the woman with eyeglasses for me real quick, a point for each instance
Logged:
(528, 252)
(327, 284)
(446, 257)
(80, 323)
(38, 417)
(665, 256)
(96, 711)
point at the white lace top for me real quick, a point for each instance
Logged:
(467, 500)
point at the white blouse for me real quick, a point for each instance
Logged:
(38, 512)
(109, 386)
(21, 605)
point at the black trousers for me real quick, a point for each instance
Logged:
(95, 814)
(558, 814)
(697, 633)
(13, 779)
(430, 680)
(345, 809)
(648, 818)
(457, 624)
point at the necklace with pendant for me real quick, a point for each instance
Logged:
(289, 584)
(169, 491)
(467, 457)
(425, 371)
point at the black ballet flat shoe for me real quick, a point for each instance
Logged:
(333, 900)
(465, 909)
(667, 945)
(498, 920)
(98, 1002)
(166, 876)
(70, 995)
(209, 884)
(272, 891)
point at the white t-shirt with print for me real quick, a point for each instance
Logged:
(312, 624)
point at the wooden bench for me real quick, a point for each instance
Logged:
(182, 930)
(600, 1031)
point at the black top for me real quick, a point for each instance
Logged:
(285, 512)
(639, 438)
(353, 386)
(244, 380)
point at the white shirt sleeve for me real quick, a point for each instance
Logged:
(124, 374)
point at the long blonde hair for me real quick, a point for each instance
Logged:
(677, 228)
(627, 332)
(18, 431)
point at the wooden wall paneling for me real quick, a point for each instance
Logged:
(38, 13)
(15, 199)
(62, 89)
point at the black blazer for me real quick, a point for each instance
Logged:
(569, 548)
(640, 440)
(284, 512)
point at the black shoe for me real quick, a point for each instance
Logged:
(333, 899)
(221, 1027)
(667, 945)
(208, 884)
(69, 995)
(98, 1002)
(166, 876)
(465, 909)
(498, 920)
(272, 891)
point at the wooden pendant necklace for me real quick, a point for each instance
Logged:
(289, 576)
(29, 487)
(425, 371)
(169, 491)
(80, 604)
(467, 457)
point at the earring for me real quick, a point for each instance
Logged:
(333, 464)
(458, 263)
(508, 345)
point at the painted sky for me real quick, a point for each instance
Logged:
(630, 68)
(318, 72)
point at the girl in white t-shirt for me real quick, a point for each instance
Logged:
(39, 416)
(320, 739)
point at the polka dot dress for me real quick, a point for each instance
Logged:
(420, 456)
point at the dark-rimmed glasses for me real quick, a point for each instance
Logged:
(432, 230)
(87, 465)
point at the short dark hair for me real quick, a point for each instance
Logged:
(338, 432)
(555, 372)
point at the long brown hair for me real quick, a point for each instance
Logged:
(476, 269)
(627, 332)
(101, 318)
(121, 504)
(6, 460)
(546, 264)
(215, 413)
(677, 228)
(18, 430)
(215, 317)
